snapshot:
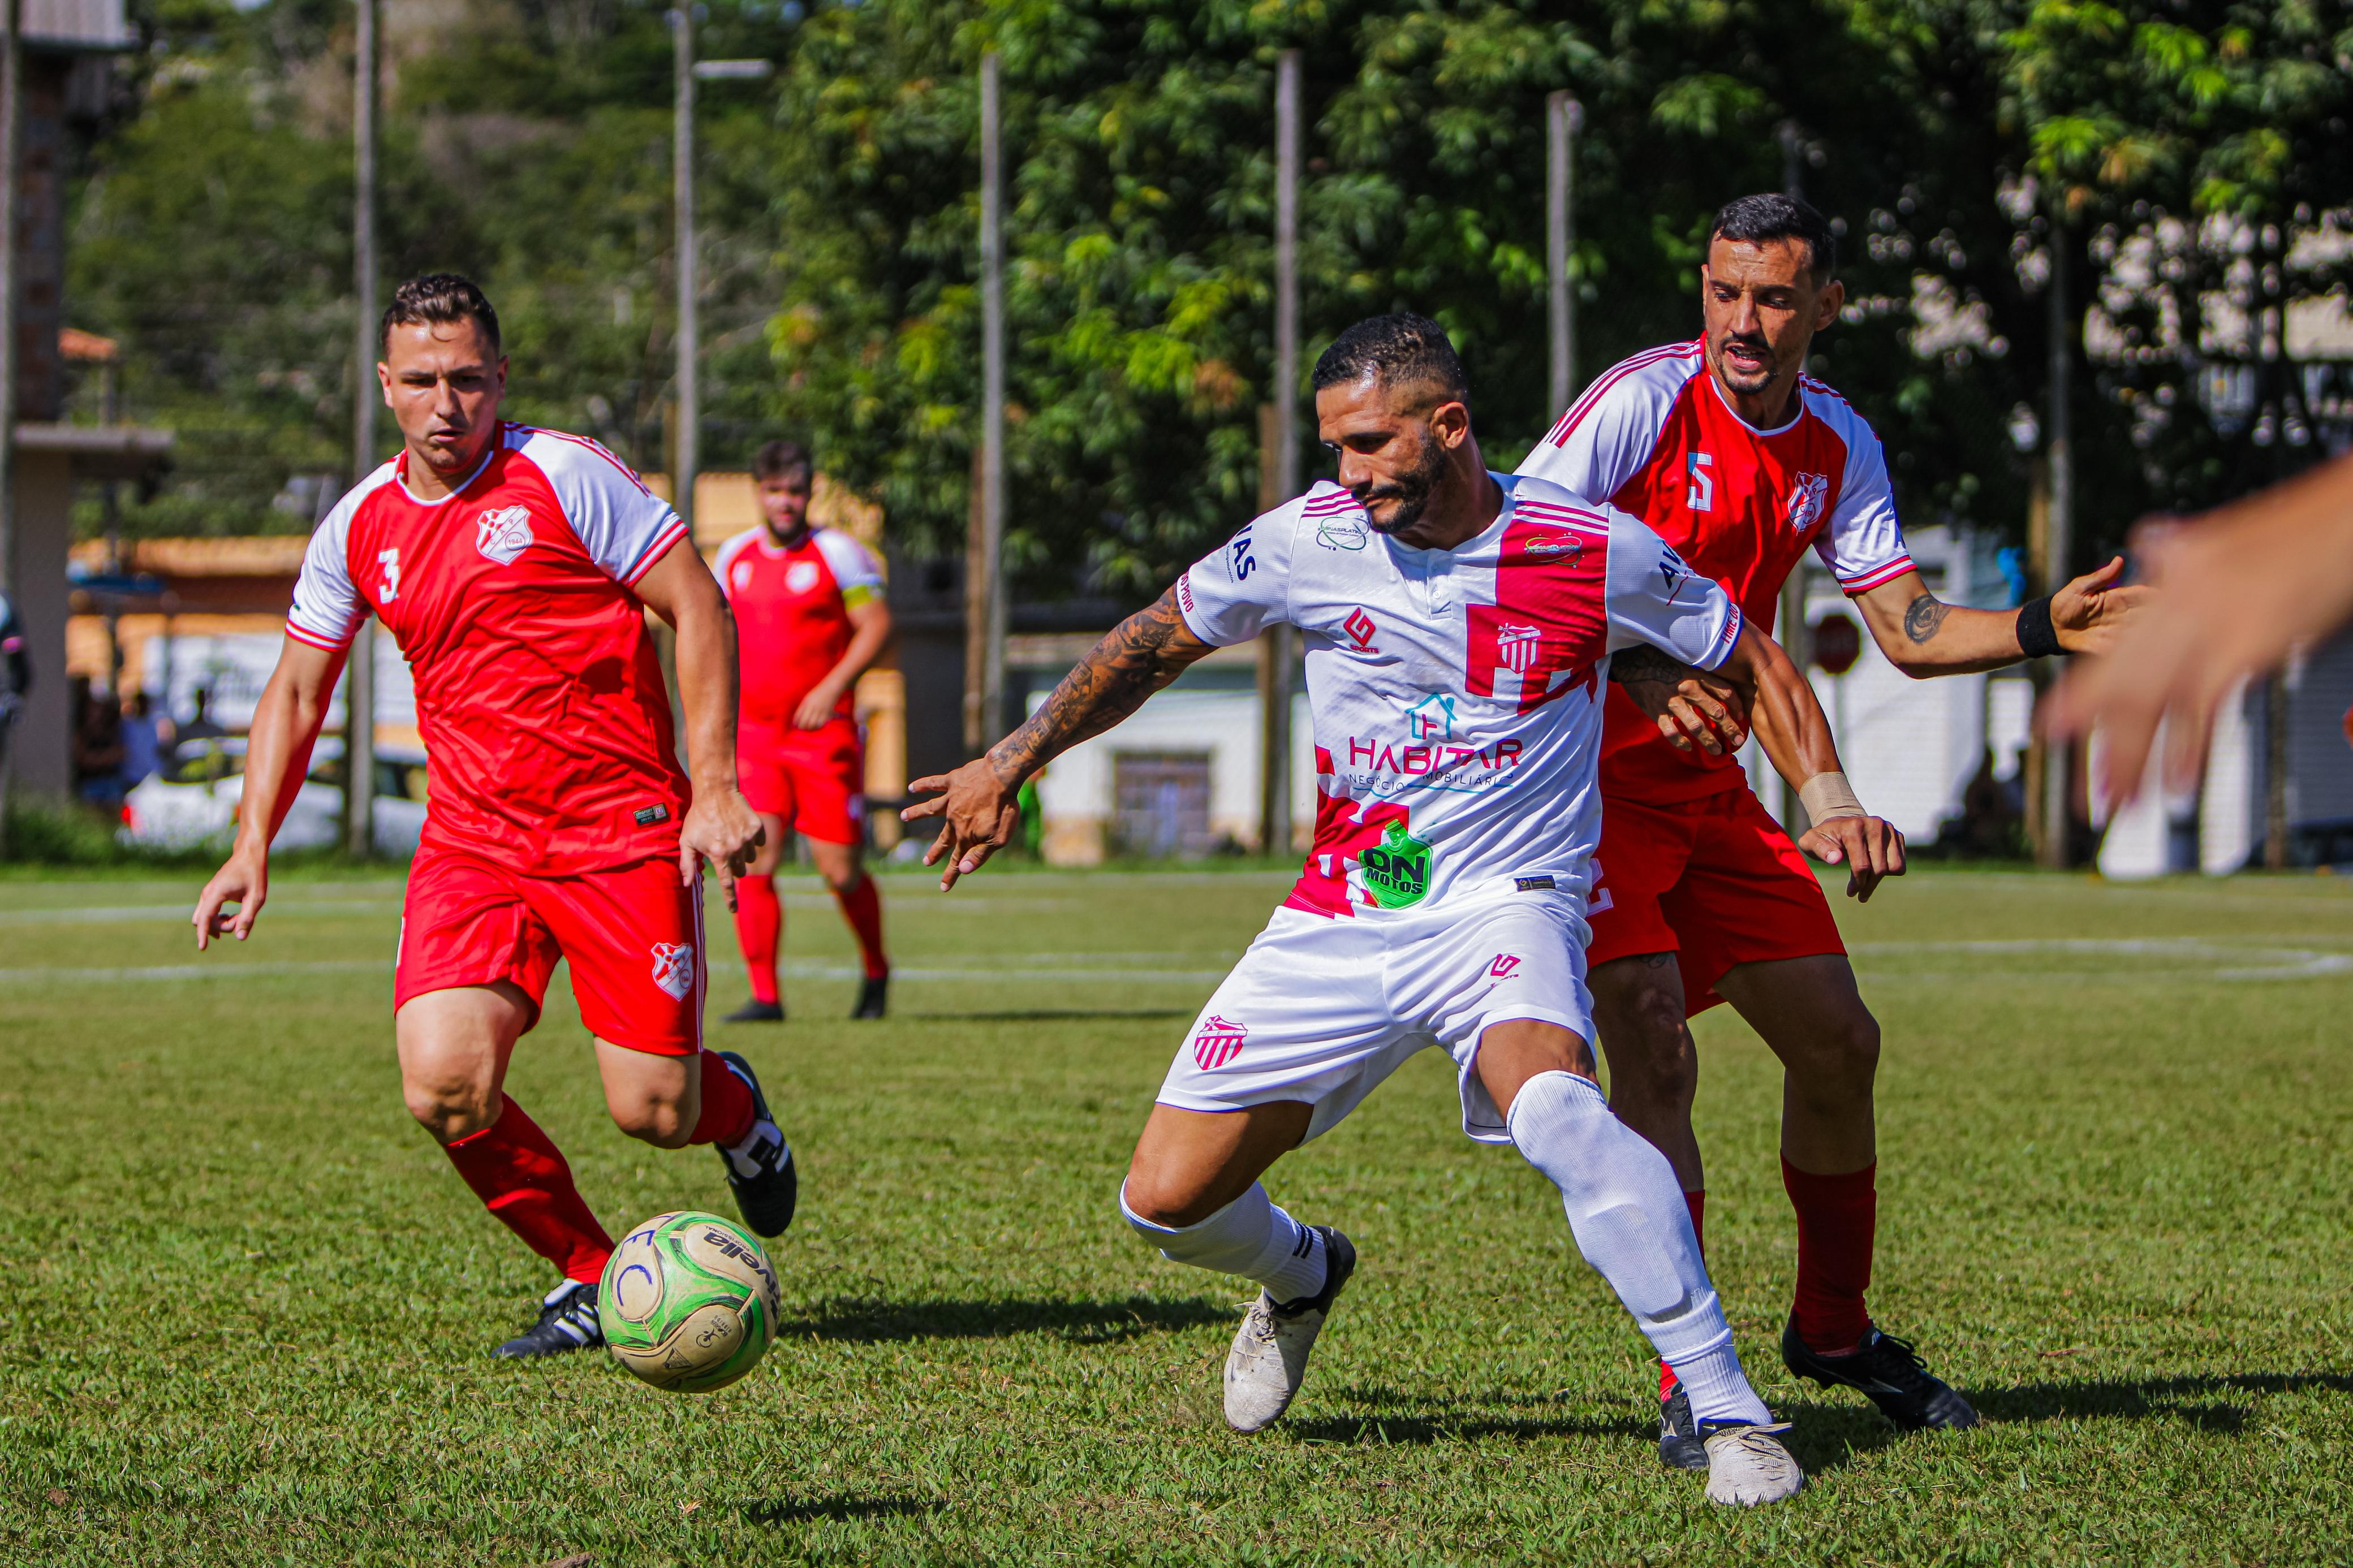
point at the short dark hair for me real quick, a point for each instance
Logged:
(1402, 347)
(1762, 219)
(777, 458)
(440, 299)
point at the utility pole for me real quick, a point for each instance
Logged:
(2058, 812)
(359, 670)
(1564, 117)
(985, 559)
(12, 119)
(1281, 482)
(684, 459)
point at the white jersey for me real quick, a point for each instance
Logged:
(1456, 694)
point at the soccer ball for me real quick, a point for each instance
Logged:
(688, 1303)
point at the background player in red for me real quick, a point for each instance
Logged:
(1742, 462)
(810, 618)
(514, 566)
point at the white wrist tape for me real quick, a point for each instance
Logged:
(1826, 796)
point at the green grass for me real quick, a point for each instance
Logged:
(248, 1304)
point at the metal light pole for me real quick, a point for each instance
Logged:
(1283, 476)
(2058, 814)
(984, 563)
(359, 680)
(1564, 117)
(12, 82)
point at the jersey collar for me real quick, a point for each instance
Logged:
(1707, 374)
(400, 471)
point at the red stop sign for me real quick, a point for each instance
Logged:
(1837, 643)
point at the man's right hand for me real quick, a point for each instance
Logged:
(981, 812)
(243, 880)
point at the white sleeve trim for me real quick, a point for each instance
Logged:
(852, 563)
(624, 526)
(327, 609)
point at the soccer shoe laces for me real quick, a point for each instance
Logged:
(1894, 1361)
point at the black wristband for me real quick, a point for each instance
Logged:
(2036, 637)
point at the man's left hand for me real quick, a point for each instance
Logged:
(815, 710)
(721, 827)
(1694, 712)
(2090, 613)
(1869, 848)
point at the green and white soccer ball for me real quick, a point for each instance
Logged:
(688, 1303)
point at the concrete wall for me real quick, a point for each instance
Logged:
(44, 528)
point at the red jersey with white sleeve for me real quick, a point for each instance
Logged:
(1456, 694)
(1655, 437)
(792, 605)
(545, 718)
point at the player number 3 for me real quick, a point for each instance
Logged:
(389, 589)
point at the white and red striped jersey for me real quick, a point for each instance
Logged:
(1456, 694)
(1655, 437)
(546, 721)
(792, 605)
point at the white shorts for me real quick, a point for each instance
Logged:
(1322, 1010)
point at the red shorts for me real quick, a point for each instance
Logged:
(634, 937)
(1713, 880)
(814, 779)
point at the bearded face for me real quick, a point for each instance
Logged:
(1396, 503)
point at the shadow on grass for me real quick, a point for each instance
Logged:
(1063, 1016)
(1418, 1418)
(1829, 1435)
(799, 1511)
(865, 1320)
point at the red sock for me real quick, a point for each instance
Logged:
(862, 907)
(727, 1107)
(1697, 1204)
(521, 1177)
(759, 922)
(1837, 1217)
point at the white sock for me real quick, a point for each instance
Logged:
(1248, 1236)
(1627, 1211)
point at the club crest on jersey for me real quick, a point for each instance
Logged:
(674, 968)
(1806, 501)
(1396, 870)
(1361, 630)
(800, 576)
(502, 533)
(1220, 1041)
(1517, 646)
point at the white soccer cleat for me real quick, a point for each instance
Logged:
(1269, 1360)
(1746, 1464)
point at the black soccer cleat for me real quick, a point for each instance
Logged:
(873, 998)
(1891, 1374)
(760, 1168)
(1682, 1446)
(756, 1011)
(567, 1321)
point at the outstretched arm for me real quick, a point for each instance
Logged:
(286, 725)
(1922, 636)
(1791, 729)
(977, 806)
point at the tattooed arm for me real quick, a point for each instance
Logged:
(977, 802)
(1688, 705)
(1922, 636)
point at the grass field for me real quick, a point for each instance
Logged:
(247, 1305)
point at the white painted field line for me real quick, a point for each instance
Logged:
(125, 913)
(2269, 962)
(806, 971)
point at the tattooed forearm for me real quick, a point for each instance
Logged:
(1134, 659)
(1643, 662)
(1924, 617)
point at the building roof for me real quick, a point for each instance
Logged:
(92, 24)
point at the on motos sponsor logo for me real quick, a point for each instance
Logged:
(674, 968)
(1220, 1041)
(1505, 965)
(503, 533)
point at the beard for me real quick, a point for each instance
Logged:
(1411, 490)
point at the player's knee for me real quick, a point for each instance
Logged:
(659, 1123)
(1650, 1051)
(451, 1109)
(1171, 1205)
(1845, 1052)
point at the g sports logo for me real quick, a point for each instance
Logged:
(674, 968)
(1220, 1041)
(503, 534)
(1361, 630)
(1504, 966)
(1806, 501)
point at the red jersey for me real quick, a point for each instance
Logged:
(546, 724)
(792, 613)
(1655, 437)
